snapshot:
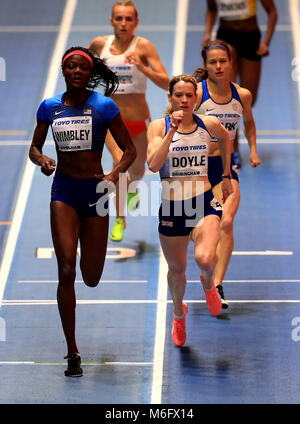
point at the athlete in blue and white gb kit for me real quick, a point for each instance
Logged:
(178, 147)
(80, 119)
(228, 102)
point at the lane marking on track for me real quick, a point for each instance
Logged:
(106, 28)
(13, 132)
(130, 364)
(161, 312)
(251, 281)
(263, 252)
(146, 281)
(81, 281)
(295, 20)
(159, 345)
(4, 143)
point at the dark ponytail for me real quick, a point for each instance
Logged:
(200, 74)
(100, 74)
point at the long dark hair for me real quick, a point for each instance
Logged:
(100, 74)
(199, 73)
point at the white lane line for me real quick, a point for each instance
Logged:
(12, 143)
(29, 28)
(242, 140)
(276, 132)
(273, 141)
(160, 326)
(251, 281)
(180, 36)
(263, 252)
(106, 28)
(13, 132)
(160, 331)
(295, 20)
(81, 281)
(129, 364)
(26, 180)
(146, 281)
(200, 28)
(161, 313)
(34, 302)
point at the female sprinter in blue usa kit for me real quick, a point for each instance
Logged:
(80, 119)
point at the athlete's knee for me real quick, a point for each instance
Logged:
(176, 273)
(67, 273)
(176, 268)
(91, 278)
(206, 259)
(91, 282)
(227, 224)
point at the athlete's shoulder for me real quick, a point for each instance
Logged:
(54, 100)
(145, 45)
(242, 90)
(98, 43)
(209, 121)
(157, 122)
(157, 126)
(244, 93)
(106, 106)
(98, 99)
(47, 106)
(142, 41)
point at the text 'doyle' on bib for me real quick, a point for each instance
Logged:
(187, 156)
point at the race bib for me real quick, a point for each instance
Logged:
(233, 9)
(73, 133)
(125, 76)
(188, 161)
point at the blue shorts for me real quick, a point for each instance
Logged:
(79, 193)
(215, 170)
(178, 218)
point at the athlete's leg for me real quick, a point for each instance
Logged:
(175, 253)
(117, 153)
(121, 191)
(137, 169)
(226, 243)
(234, 69)
(206, 237)
(65, 225)
(233, 77)
(93, 245)
(249, 72)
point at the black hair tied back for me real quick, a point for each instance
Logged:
(101, 75)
